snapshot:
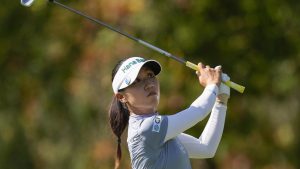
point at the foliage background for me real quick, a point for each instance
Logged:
(56, 86)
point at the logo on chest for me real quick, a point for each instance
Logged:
(156, 124)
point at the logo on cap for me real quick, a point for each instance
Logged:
(128, 66)
(127, 80)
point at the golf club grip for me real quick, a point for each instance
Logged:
(229, 83)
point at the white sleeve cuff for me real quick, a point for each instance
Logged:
(212, 88)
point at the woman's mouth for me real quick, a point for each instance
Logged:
(152, 93)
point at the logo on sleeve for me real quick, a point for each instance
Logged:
(156, 124)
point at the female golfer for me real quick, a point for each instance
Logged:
(157, 141)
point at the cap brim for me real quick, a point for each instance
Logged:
(153, 65)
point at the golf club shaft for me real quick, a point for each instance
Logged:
(233, 85)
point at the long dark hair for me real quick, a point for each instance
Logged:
(118, 117)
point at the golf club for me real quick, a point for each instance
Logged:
(191, 65)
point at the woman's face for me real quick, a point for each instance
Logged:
(142, 96)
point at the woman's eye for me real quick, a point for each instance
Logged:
(137, 80)
(151, 75)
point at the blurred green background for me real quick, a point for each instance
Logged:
(55, 78)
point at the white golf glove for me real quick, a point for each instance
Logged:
(224, 89)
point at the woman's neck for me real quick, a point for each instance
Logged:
(141, 111)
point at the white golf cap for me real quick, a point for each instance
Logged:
(130, 69)
(26, 2)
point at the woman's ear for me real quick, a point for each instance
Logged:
(121, 98)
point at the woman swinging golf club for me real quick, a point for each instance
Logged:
(157, 141)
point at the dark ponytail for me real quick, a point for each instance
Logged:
(118, 118)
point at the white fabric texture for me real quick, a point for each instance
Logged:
(207, 144)
(198, 110)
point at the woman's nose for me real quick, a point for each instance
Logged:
(149, 83)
